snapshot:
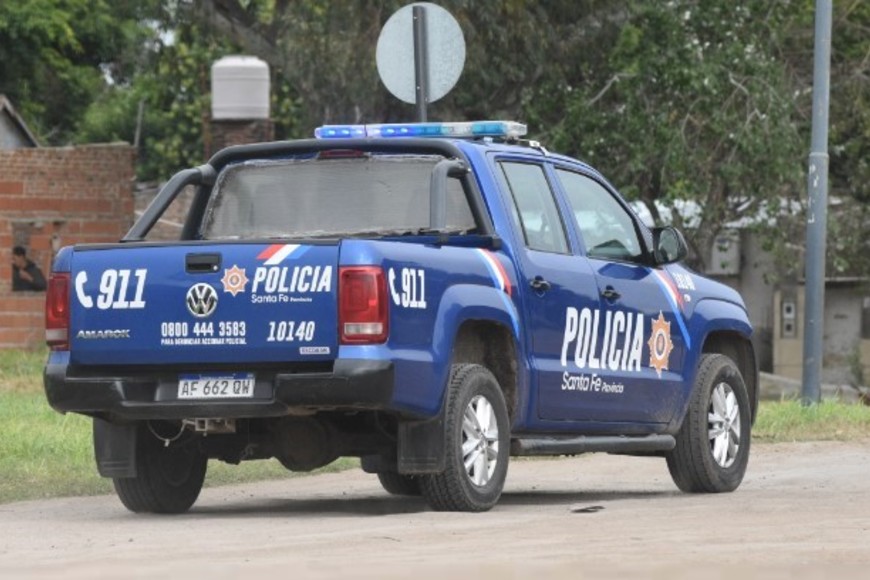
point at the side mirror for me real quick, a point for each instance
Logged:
(669, 245)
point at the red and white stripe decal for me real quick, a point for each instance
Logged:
(667, 284)
(276, 253)
(497, 270)
(673, 295)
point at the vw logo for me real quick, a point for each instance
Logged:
(201, 300)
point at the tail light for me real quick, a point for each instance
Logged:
(57, 311)
(363, 314)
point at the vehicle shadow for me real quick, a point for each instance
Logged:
(374, 505)
(386, 505)
(569, 498)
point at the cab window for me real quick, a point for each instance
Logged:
(607, 228)
(534, 207)
(316, 197)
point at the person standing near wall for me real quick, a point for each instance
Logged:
(25, 274)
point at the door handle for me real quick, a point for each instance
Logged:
(202, 263)
(539, 284)
(610, 294)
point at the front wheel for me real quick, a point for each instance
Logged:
(168, 479)
(477, 437)
(712, 448)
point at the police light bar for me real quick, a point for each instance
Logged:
(508, 129)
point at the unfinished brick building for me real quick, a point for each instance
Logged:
(53, 197)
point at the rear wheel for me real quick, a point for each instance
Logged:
(712, 448)
(399, 484)
(168, 479)
(477, 436)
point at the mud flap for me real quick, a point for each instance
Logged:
(422, 446)
(115, 448)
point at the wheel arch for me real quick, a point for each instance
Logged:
(738, 348)
(480, 324)
(476, 325)
(491, 344)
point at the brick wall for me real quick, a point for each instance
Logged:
(224, 133)
(54, 197)
(170, 224)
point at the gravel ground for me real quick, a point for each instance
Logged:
(800, 512)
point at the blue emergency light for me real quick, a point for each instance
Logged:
(506, 129)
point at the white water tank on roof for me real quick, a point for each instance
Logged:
(239, 88)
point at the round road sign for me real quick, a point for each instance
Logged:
(395, 53)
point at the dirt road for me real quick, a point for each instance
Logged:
(802, 511)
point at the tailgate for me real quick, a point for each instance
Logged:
(220, 303)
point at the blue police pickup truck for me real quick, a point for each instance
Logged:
(430, 298)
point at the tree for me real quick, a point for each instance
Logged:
(683, 100)
(57, 55)
(850, 139)
(705, 101)
(172, 89)
(849, 133)
(691, 104)
(326, 51)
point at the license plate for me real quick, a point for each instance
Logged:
(217, 386)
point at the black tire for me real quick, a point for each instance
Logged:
(399, 484)
(703, 464)
(453, 489)
(168, 479)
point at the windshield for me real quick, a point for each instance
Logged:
(329, 197)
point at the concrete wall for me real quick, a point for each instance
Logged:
(782, 354)
(54, 197)
(788, 351)
(753, 283)
(841, 335)
(222, 133)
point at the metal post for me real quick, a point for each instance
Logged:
(421, 61)
(817, 209)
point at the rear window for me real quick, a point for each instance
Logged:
(329, 197)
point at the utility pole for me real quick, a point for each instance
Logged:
(817, 209)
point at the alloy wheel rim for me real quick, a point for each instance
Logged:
(723, 425)
(479, 441)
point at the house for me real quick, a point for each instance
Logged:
(14, 133)
(51, 197)
(776, 307)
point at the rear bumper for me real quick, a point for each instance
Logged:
(352, 384)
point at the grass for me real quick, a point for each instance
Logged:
(21, 370)
(828, 421)
(46, 454)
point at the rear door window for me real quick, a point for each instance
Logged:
(534, 207)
